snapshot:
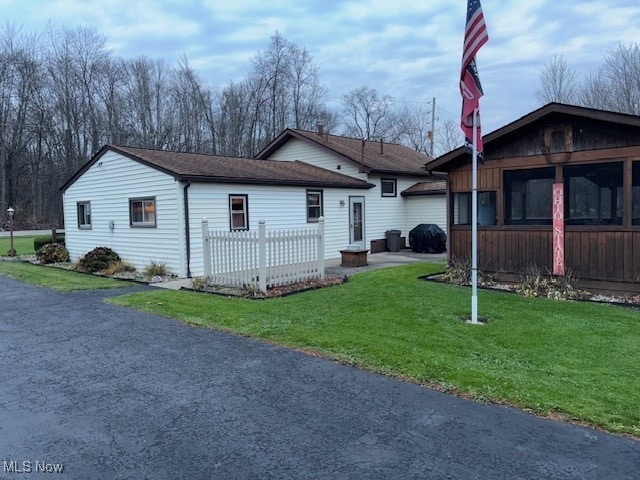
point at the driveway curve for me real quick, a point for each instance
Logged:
(109, 392)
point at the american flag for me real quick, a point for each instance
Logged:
(475, 36)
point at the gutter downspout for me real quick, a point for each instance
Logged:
(187, 234)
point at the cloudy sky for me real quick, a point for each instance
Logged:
(405, 48)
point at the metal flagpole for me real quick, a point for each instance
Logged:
(474, 222)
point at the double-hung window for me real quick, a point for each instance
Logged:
(238, 212)
(314, 205)
(84, 215)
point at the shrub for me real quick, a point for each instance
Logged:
(534, 284)
(100, 258)
(458, 272)
(199, 283)
(119, 267)
(52, 253)
(156, 269)
(42, 240)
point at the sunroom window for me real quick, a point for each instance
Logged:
(593, 194)
(462, 210)
(528, 196)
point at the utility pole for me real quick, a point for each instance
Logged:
(433, 125)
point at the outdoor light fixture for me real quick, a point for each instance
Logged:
(12, 251)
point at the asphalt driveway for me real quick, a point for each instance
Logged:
(108, 392)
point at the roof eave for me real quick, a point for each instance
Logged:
(422, 194)
(260, 181)
(101, 153)
(400, 173)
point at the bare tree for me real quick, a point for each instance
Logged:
(594, 91)
(306, 92)
(367, 114)
(413, 127)
(621, 72)
(614, 85)
(448, 137)
(558, 82)
(148, 113)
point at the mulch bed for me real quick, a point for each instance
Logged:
(581, 295)
(281, 291)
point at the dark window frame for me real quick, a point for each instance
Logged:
(84, 220)
(145, 223)
(492, 197)
(394, 182)
(635, 193)
(525, 175)
(601, 171)
(245, 211)
(320, 206)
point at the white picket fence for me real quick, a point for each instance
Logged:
(261, 259)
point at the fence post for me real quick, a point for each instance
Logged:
(262, 256)
(321, 247)
(206, 248)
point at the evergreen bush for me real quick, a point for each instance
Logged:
(52, 253)
(100, 258)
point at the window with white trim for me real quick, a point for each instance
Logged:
(142, 212)
(388, 186)
(238, 212)
(314, 206)
(84, 215)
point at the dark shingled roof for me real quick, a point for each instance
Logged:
(388, 158)
(213, 168)
(436, 186)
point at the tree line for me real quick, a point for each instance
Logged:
(613, 85)
(64, 94)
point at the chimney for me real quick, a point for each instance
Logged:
(381, 147)
(320, 130)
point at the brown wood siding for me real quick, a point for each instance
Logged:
(580, 135)
(605, 253)
(589, 254)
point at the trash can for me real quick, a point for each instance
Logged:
(393, 240)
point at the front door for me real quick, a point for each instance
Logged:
(356, 221)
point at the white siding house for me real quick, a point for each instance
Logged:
(148, 205)
(404, 193)
(106, 186)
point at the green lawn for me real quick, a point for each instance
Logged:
(55, 278)
(23, 245)
(576, 359)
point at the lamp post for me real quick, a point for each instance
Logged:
(12, 251)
